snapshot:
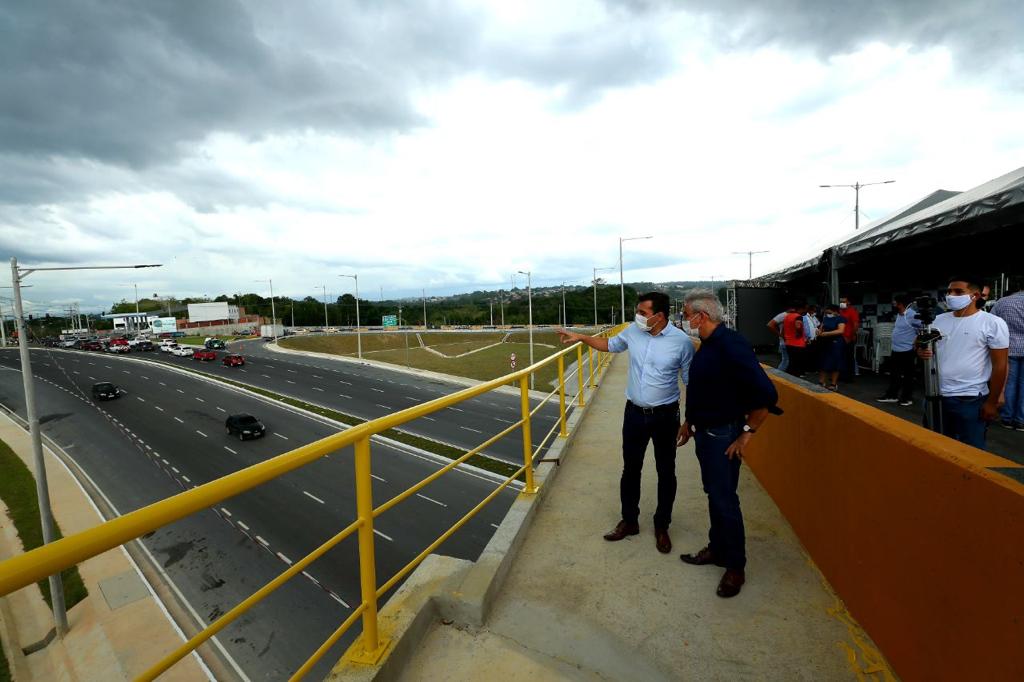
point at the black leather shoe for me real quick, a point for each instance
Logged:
(731, 583)
(621, 530)
(701, 558)
(662, 541)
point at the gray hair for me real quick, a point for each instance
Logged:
(704, 301)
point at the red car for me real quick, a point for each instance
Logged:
(233, 361)
(204, 355)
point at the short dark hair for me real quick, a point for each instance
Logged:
(903, 299)
(659, 301)
(834, 307)
(973, 282)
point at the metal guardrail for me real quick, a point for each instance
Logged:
(25, 569)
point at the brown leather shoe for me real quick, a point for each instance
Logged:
(731, 583)
(701, 558)
(662, 541)
(621, 530)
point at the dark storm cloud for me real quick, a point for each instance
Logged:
(983, 34)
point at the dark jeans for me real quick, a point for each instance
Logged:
(849, 368)
(902, 375)
(961, 419)
(797, 360)
(721, 476)
(661, 426)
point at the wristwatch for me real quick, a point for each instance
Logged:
(747, 428)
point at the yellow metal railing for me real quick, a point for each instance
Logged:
(28, 568)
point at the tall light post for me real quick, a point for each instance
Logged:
(501, 307)
(833, 279)
(359, 336)
(750, 261)
(529, 307)
(60, 616)
(622, 281)
(424, 292)
(564, 316)
(594, 280)
(326, 323)
(273, 310)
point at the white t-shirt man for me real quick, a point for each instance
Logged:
(964, 362)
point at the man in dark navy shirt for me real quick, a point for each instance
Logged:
(728, 397)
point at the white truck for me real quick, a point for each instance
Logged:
(269, 331)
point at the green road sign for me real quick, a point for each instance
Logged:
(391, 320)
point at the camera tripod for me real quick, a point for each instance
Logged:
(926, 339)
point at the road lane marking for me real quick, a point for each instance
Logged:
(179, 391)
(93, 378)
(141, 400)
(75, 371)
(317, 389)
(230, 450)
(162, 383)
(126, 371)
(457, 409)
(270, 366)
(144, 377)
(242, 525)
(467, 428)
(503, 421)
(293, 371)
(289, 381)
(180, 421)
(338, 599)
(200, 400)
(159, 408)
(384, 406)
(175, 470)
(379, 390)
(375, 476)
(386, 537)
(430, 419)
(222, 409)
(429, 499)
(280, 436)
(347, 383)
(283, 558)
(317, 376)
(186, 479)
(225, 511)
(262, 541)
(494, 525)
(347, 397)
(311, 495)
(266, 375)
(205, 436)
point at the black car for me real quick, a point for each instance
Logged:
(145, 345)
(244, 426)
(215, 344)
(105, 391)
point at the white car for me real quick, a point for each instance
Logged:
(183, 351)
(167, 347)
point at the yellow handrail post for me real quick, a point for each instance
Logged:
(524, 400)
(590, 366)
(562, 433)
(372, 646)
(579, 370)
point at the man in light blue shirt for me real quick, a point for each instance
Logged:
(903, 361)
(659, 356)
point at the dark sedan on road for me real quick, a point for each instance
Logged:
(244, 426)
(105, 390)
(233, 360)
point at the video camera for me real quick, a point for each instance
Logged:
(926, 308)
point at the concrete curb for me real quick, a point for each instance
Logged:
(466, 596)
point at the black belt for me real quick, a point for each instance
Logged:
(667, 407)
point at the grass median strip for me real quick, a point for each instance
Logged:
(18, 491)
(449, 451)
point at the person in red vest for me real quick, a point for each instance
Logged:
(852, 319)
(795, 338)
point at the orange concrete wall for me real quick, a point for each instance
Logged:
(922, 543)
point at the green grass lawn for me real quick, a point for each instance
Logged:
(18, 491)
(486, 364)
(199, 340)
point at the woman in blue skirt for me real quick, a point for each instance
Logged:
(832, 345)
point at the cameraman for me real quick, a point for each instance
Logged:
(971, 359)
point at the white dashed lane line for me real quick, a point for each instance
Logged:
(386, 537)
(230, 450)
(429, 419)
(318, 389)
(266, 375)
(346, 397)
(280, 436)
(347, 383)
(262, 541)
(467, 428)
(222, 409)
(180, 391)
(201, 433)
(226, 512)
(180, 421)
(456, 409)
(312, 496)
(384, 406)
(242, 525)
(429, 499)
(93, 378)
(289, 381)
(379, 390)
(159, 408)
(200, 400)
(376, 477)
(283, 558)
(141, 400)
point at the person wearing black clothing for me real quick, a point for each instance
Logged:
(728, 398)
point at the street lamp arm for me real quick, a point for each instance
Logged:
(25, 272)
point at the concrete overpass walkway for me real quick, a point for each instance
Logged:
(575, 607)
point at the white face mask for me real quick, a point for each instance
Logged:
(692, 331)
(842, 306)
(641, 322)
(958, 302)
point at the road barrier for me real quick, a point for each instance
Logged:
(30, 567)
(920, 539)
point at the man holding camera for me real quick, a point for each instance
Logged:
(904, 335)
(971, 358)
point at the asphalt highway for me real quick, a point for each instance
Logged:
(368, 392)
(167, 434)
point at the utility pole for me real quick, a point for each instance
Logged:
(833, 280)
(424, 292)
(359, 336)
(326, 323)
(491, 301)
(529, 298)
(622, 281)
(565, 317)
(501, 306)
(750, 261)
(273, 310)
(3, 329)
(594, 281)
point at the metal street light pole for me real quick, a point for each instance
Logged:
(359, 336)
(595, 290)
(326, 323)
(833, 279)
(750, 261)
(273, 310)
(424, 292)
(564, 316)
(529, 298)
(622, 281)
(60, 616)
(501, 307)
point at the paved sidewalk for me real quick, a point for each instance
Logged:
(117, 632)
(575, 607)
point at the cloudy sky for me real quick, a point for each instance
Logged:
(445, 145)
